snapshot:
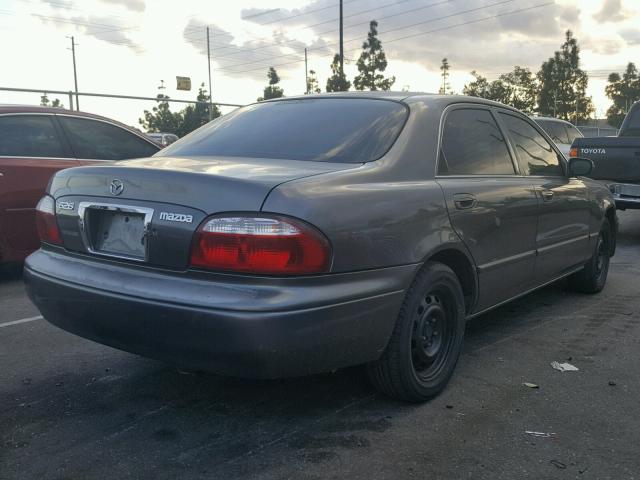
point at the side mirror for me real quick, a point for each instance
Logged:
(580, 167)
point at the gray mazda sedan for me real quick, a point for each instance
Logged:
(308, 234)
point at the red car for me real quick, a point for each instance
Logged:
(36, 142)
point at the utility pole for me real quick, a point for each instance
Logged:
(444, 68)
(209, 66)
(341, 43)
(306, 73)
(75, 74)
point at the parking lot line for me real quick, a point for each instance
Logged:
(23, 320)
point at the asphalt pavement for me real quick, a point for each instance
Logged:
(73, 409)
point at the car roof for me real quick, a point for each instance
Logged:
(38, 109)
(407, 97)
(551, 119)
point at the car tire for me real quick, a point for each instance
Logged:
(592, 278)
(427, 338)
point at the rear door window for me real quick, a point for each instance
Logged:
(472, 144)
(535, 155)
(573, 133)
(631, 125)
(30, 136)
(555, 130)
(94, 139)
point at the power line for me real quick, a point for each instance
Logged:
(260, 14)
(358, 39)
(472, 10)
(491, 17)
(65, 6)
(289, 17)
(332, 21)
(471, 22)
(110, 28)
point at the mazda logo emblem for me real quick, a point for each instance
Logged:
(116, 187)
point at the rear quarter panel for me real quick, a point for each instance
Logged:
(601, 200)
(384, 213)
(22, 184)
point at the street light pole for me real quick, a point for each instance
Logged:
(306, 73)
(75, 73)
(209, 66)
(341, 43)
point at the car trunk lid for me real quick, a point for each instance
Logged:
(147, 210)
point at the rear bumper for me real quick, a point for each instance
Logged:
(623, 202)
(228, 324)
(625, 195)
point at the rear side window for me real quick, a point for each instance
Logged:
(631, 126)
(29, 136)
(473, 145)
(573, 133)
(535, 155)
(555, 130)
(321, 130)
(98, 140)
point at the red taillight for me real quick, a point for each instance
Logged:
(262, 245)
(573, 153)
(46, 221)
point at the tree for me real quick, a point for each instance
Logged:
(517, 88)
(162, 119)
(444, 68)
(44, 101)
(497, 90)
(312, 83)
(480, 87)
(194, 116)
(337, 82)
(372, 60)
(563, 84)
(623, 91)
(520, 89)
(272, 90)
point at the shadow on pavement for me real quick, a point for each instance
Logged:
(10, 272)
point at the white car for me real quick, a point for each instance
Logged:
(164, 139)
(561, 132)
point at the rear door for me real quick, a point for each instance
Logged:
(32, 149)
(492, 209)
(563, 220)
(95, 140)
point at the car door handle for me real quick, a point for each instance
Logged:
(547, 195)
(464, 201)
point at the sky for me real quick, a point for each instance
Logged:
(128, 47)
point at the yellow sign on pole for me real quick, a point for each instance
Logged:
(183, 83)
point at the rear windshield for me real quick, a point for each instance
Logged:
(555, 130)
(631, 126)
(320, 130)
(573, 133)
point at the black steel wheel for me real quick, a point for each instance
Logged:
(592, 278)
(426, 342)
